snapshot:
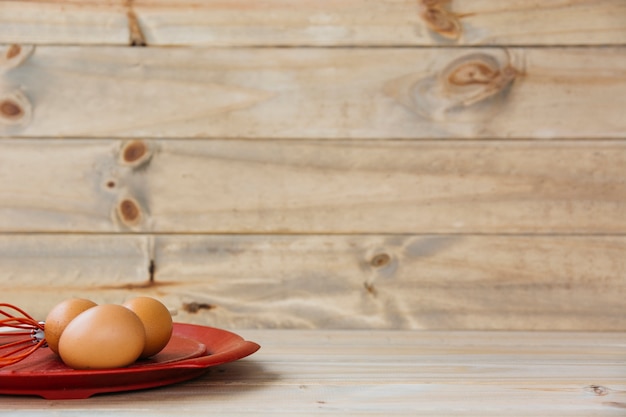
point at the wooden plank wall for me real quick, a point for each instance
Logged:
(394, 164)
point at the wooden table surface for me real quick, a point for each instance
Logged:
(299, 372)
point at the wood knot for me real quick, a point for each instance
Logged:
(11, 109)
(439, 19)
(13, 51)
(472, 73)
(469, 89)
(598, 390)
(14, 55)
(15, 109)
(380, 260)
(370, 288)
(129, 212)
(475, 77)
(135, 153)
(194, 307)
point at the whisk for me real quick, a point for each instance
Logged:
(15, 324)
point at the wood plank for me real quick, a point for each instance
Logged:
(414, 282)
(316, 22)
(39, 271)
(373, 22)
(96, 22)
(315, 93)
(300, 373)
(345, 282)
(38, 263)
(266, 186)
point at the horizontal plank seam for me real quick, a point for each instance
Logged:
(458, 140)
(310, 46)
(306, 234)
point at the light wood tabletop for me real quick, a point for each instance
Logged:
(334, 372)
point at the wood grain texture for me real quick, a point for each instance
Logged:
(329, 93)
(41, 263)
(233, 186)
(382, 373)
(438, 282)
(314, 22)
(412, 282)
(372, 22)
(96, 22)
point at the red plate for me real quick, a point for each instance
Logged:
(190, 352)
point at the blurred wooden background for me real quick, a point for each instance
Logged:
(394, 164)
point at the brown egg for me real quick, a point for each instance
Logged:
(157, 321)
(103, 337)
(60, 316)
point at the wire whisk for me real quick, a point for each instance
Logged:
(15, 324)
